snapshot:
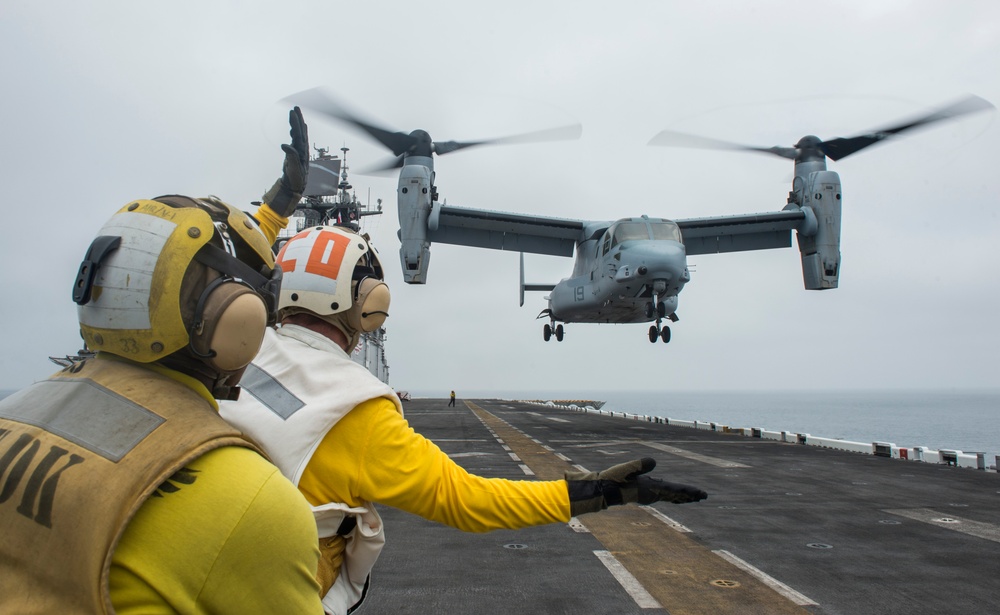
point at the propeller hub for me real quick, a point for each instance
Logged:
(809, 149)
(421, 144)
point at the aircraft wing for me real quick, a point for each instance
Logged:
(481, 228)
(740, 233)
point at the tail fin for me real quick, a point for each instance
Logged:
(524, 287)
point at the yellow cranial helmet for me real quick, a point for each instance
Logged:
(335, 274)
(176, 272)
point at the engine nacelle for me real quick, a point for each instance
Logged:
(414, 197)
(819, 240)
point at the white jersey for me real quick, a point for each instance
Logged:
(297, 388)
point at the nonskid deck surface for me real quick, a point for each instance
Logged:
(786, 528)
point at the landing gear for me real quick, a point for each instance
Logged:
(662, 333)
(659, 311)
(657, 330)
(548, 330)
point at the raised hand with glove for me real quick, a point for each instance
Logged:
(622, 484)
(284, 195)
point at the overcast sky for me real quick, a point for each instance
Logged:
(108, 101)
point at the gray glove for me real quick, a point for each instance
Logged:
(284, 195)
(624, 483)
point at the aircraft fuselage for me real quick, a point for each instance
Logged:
(634, 270)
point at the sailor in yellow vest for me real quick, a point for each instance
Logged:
(339, 433)
(121, 488)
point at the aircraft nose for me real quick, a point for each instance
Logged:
(666, 260)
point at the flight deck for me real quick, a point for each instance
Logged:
(786, 528)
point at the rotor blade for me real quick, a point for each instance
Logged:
(670, 138)
(383, 168)
(561, 133)
(319, 101)
(839, 148)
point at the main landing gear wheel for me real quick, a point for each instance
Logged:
(546, 332)
(665, 334)
(653, 334)
(559, 333)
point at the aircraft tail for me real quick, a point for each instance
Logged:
(525, 287)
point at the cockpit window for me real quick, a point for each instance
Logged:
(625, 231)
(666, 230)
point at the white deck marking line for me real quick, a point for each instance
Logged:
(596, 444)
(527, 471)
(505, 447)
(577, 526)
(978, 529)
(662, 517)
(551, 418)
(631, 584)
(470, 454)
(580, 467)
(673, 450)
(514, 457)
(564, 457)
(767, 579)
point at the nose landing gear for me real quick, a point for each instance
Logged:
(657, 330)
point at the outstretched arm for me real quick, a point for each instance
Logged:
(280, 201)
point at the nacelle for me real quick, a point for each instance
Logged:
(819, 241)
(414, 195)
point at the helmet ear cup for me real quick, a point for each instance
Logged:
(234, 319)
(371, 305)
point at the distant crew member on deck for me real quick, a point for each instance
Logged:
(339, 433)
(452, 402)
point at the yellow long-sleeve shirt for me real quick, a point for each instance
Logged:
(373, 455)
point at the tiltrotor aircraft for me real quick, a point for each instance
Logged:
(629, 270)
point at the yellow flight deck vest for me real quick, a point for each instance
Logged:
(79, 454)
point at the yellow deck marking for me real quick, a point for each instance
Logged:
(680, 573)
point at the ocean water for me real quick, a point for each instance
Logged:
(964, 420)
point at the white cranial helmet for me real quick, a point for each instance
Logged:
(335, 274)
